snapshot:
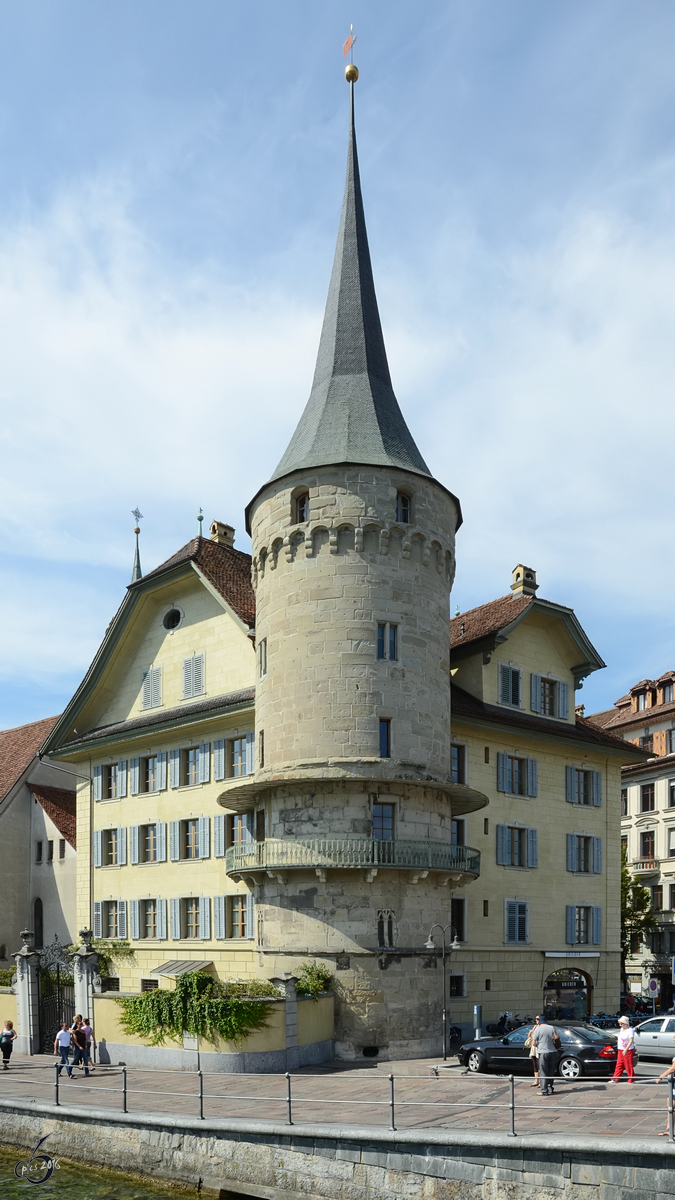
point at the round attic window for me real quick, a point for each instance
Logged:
(172, 619)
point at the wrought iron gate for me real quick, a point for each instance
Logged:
(56, 1000)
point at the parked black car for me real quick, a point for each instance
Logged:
(585, 1050)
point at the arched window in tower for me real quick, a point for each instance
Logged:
(38, 925)
(402, 508)
(301, 504)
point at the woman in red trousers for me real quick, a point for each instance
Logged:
(625, 1052)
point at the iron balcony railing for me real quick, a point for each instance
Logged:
(287, 853)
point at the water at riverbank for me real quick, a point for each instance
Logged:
(77, 1182)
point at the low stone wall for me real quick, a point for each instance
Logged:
(319, 1162)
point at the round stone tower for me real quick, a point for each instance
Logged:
(350, 848)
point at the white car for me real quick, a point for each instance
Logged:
(656, 1037)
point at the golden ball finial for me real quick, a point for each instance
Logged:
(137, 529)
(351, 73)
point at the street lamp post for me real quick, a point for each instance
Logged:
(454, 945)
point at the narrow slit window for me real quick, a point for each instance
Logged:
(402, 508)
(385, 738)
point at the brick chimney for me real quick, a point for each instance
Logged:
(222, 534)
(524, 581)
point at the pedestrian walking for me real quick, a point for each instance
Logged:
(625, 1052)
(659, 1079)
(80, 1048)
(91, 1041)
(7, 1039)
(62, 1047)
(547, 1042)
(534, 1053)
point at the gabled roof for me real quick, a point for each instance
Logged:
(352, 415)
(18, 747)
(229, 571)
(60, 806)
(620, 719)
(464, 705)
(485, 627)
(183, 715)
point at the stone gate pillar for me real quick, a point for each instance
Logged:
(288, 983)
(86, 975)
(27, 997)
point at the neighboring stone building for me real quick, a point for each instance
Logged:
(37, 842)
(645, 716)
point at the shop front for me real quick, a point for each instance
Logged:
(568, 994)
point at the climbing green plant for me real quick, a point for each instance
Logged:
(6, 974)
(312, 980)
(109, 952)
(199, 1005)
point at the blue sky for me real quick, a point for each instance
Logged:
(169, 199)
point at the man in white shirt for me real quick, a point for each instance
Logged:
(543, 1037)
(62, 1047)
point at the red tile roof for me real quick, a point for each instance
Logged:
(486, 619)
(229, 571)
(60, 807)
(18, 747)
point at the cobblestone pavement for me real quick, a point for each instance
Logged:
(343, 1094)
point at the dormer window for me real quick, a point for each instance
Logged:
(402, 508)
(668, 693)
(550, 697)
(301, 504)
(641, 701)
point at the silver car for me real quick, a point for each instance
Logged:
(655, 1037)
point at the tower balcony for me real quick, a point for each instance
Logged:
(277, 857)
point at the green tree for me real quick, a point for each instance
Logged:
(637, 915)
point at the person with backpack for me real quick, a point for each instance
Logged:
(7, 1039)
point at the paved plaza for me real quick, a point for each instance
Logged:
(342, 1094)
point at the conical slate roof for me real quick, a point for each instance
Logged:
(352, 415)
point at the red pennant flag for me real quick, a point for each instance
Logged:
(348, 45)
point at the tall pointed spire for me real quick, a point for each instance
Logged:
(352, 415)
(136, 572)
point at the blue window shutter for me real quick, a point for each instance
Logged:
(198, 675)
(523, 922)
(572, 852)
(504, 684)
(160, 828)
(250, 753)
(219, 759)
(204, 917)
(511, 921)
(570, 785)
(134, 920)
(531, 776)
(122, 778)
(219, 917)
(97, 782)
(97, 847)
(249, 833)
(174, 841)
(535, 693)
(147, 689)
(160, 774)
(597, 788)
(98, 919)
(204, 764)
(570, 924)
(203, 834)
(133, 844)
(122, 920)
(219, 837)
(502, 838)
(156, 677)
(563, 700)
(250, 916)
(501, 771)
(122, 845)
(174, 906)
(597, 925)
(188, 677)
(134, 764)
(174, 768)
(597, 856)
(161, 920)
(532, 848)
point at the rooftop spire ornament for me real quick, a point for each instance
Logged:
(351, 72)
(136, 572)
(200, 518)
